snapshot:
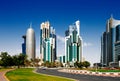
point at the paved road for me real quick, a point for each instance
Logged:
(79, 77)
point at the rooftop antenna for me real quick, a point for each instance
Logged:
(31, 25)
(112, 16)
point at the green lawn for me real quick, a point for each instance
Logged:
(3, 69)
(27, 74)
(101, 70)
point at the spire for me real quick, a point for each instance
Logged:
(111, 16)
(30, 25)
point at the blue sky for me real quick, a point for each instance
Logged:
(16, 15)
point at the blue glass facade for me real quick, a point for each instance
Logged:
(24, 45)
(117, 51)
(73, 44)
(61, 59)
(23, 48)
(47, 42)
(110, 46)
(104, 49)
(118, 33)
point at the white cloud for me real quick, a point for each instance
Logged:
(87, 44)
(60, 38)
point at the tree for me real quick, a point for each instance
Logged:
(15, 60)
(58, 64)
(32, 62)
(1, 62)
(52, 64)
(6, 60)
(21, 58)
(80, 65)
(86, 64)
(68, 64)
(37, 60)
(47, 64)
(76, 64)
(27, 62)
(18, 60)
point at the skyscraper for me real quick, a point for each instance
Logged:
(110, 42)
(47, 42)
(24, 45)
(61, 59)
(73, 43)
(30, 43)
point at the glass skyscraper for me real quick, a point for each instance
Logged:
(110, 42)
(47, 42)
(61, 59)
(24, 45)
(73, 43)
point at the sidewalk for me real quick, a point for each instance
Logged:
(2, 75)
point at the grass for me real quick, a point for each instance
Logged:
(27, 74)
(3, 69)
(102, 70)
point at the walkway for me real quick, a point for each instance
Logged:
(2, 75)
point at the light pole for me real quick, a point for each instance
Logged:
(96, 67)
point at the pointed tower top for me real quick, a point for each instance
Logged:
(30, 25)
(111, 16)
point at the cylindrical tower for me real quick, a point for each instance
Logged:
(30, 44)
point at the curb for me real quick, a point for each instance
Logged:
(35, 71)
(6, 72)
(85, 72)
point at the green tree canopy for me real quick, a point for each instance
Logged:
(86, 64)
(6, 60)
(18, 60)
(82, 64)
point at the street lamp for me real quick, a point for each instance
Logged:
(96, 67)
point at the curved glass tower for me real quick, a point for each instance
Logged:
(110, 42)
(30, 43)
(47, 42)
(73, 43)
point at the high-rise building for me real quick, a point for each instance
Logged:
(24, 45)
(47, 42)
(61, 59)
(110, 42)
(30, 43)
(73, 43)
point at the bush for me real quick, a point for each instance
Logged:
(82, 64)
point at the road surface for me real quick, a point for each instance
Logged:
(78, 77)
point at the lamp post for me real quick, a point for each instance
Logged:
(96, 67)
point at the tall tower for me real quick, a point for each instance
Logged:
(110, 42)
(30, 43)
(24, 45)
(73, 43)
(47, 42)
(77, 23)
(44, 35)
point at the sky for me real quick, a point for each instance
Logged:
(16, 16)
